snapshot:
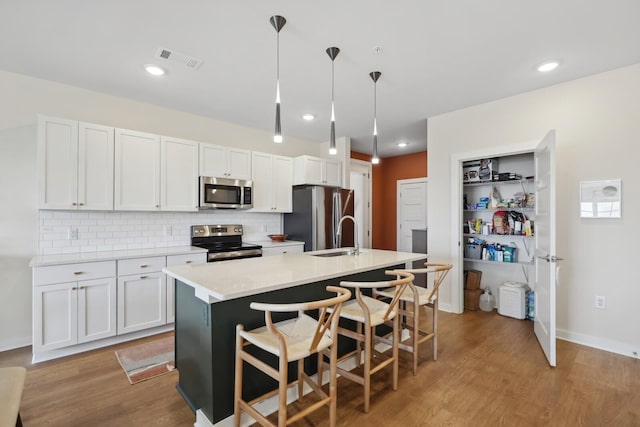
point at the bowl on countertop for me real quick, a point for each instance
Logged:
(277, 237)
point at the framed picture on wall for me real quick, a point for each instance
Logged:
(600, 199)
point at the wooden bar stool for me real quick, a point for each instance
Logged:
(368, 313)
(291, 340)
(417, 297)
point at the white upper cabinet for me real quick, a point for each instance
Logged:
(137, 171)
(272, 180)
(316, 171)
(178, 175)
(75, 164)
(224, 162)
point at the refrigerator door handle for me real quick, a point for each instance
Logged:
(337, 215)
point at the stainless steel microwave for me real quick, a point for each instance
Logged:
(225, 193)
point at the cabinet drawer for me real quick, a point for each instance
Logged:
(279, 250)
(140, 265)
(197, 258)
(73, 272)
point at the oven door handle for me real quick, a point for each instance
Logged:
(218, 256)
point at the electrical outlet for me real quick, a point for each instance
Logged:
(600, 301)
(73, 233)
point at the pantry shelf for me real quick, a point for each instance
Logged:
(517, 236)
(484, 261)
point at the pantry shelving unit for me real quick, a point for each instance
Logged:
(495, 273)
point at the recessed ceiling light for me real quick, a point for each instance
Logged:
(154, 70)
(402, 144)
(548, 66)
(308, 117)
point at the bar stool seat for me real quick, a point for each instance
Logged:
(298, 332)
(368, 313)
(419, 297)
(291, 340)
(378, 311)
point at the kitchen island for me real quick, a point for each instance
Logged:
(211, 299)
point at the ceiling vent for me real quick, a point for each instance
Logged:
(180, 58)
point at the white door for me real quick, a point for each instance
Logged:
(95, 167)
(142, 302)
(137, 171)
(282, 180)
(546, 261)
(262, 173)
(239, 166)
(178, 175)
(360, 183)
(411, 210)
(57, 163)
(56, 309)
(96, 309)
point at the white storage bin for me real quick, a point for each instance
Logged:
(512, 301)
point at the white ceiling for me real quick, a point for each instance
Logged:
(437, 56)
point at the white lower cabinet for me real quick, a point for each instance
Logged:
(77, 305)
(142, 295)
(67, 311)
(283, 248)
(173, 260)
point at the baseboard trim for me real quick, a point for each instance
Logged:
(13, 344)
(600, 343)
(43, 356)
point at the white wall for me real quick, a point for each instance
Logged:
(597, 123)
(22, 99)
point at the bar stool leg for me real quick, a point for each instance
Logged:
(367, 366)
(435, 330)
(238, 377)
(333, 386)
(416, 334)
(300, 382)
(282, 392)
(395, 352)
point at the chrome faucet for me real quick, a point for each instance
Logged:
(355, 232)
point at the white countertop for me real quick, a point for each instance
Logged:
(251, 276)
(43, 260)
(271, 244)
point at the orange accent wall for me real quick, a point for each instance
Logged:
(383, 183)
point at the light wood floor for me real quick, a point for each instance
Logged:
(490, 371)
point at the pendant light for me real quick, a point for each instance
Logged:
(333, 53)
(375, 75)
(278, 22)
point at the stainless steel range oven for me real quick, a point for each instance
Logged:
(223, 242)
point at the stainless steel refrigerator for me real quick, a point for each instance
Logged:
(316, 213)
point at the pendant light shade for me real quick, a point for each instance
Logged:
(277, 22)
(333, 53)
(375, 75)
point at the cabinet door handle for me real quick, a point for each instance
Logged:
(74, 288)
(187, 262)
(143, 277)
(81, 287)
(77, 273)
(74, 204)
(144, 265)
(81, 204)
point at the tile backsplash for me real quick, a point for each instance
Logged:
(63, 232)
